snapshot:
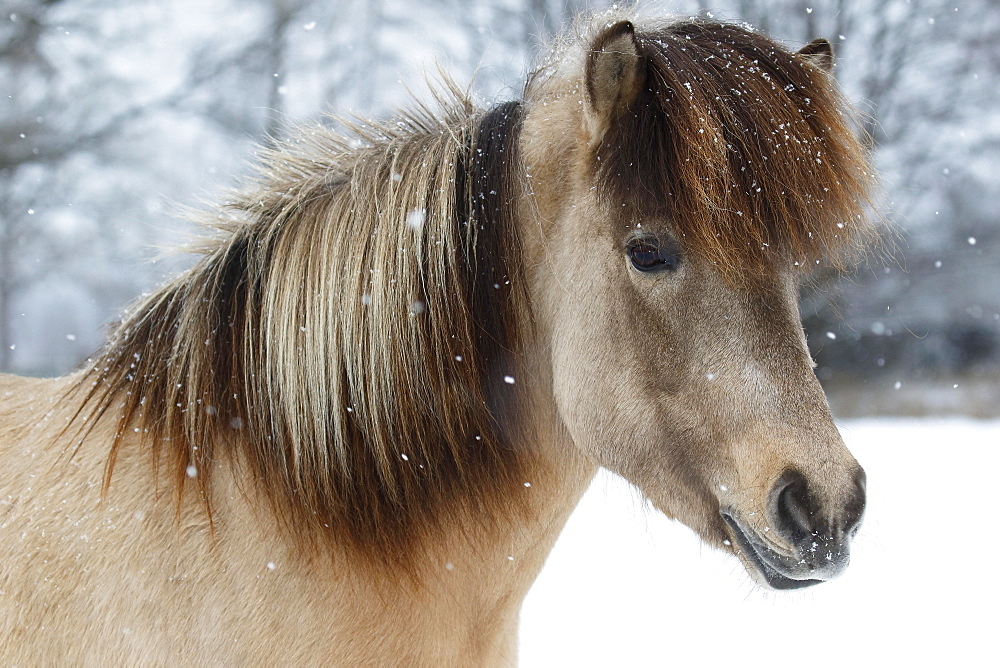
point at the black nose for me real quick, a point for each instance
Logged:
(797, 514)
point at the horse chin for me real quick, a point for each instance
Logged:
(767, 567)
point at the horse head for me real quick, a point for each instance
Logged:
(678, 181)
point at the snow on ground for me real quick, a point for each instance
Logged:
(627, 587)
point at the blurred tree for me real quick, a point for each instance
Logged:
(69, 178)
(47, 119)
(102, 101)
(110, 108)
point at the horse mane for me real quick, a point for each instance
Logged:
(346, 340)
(750, 151)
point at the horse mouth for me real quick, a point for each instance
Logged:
(776, 570)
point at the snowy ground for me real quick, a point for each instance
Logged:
(626, 587)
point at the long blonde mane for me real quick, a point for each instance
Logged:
(348, 339)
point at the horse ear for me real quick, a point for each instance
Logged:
(819, 52)
(614, 74)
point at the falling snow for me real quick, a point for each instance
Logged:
(415, 218)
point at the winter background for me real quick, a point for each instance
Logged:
(116, 114)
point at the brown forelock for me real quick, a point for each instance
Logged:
(346, 344)
(746, 148)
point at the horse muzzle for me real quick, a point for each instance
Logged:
(804, 543)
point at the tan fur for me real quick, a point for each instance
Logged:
(307, 449)
(132, 580)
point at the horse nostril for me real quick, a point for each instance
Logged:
(796, 513)
(792, 507)
(855, 507)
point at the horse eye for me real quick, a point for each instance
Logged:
(649, 256)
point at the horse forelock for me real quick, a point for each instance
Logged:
(348, 341)
(747, 149)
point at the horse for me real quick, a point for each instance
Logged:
(352, 431)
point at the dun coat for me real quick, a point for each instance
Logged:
(351, 433)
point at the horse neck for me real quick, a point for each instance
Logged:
(502, 558)
(469, 577)
(485, 574)
(505, 559)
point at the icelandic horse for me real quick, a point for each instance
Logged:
(352, 432)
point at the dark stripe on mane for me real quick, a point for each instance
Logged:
(491, 245)
(346, 344)
(746, 148)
